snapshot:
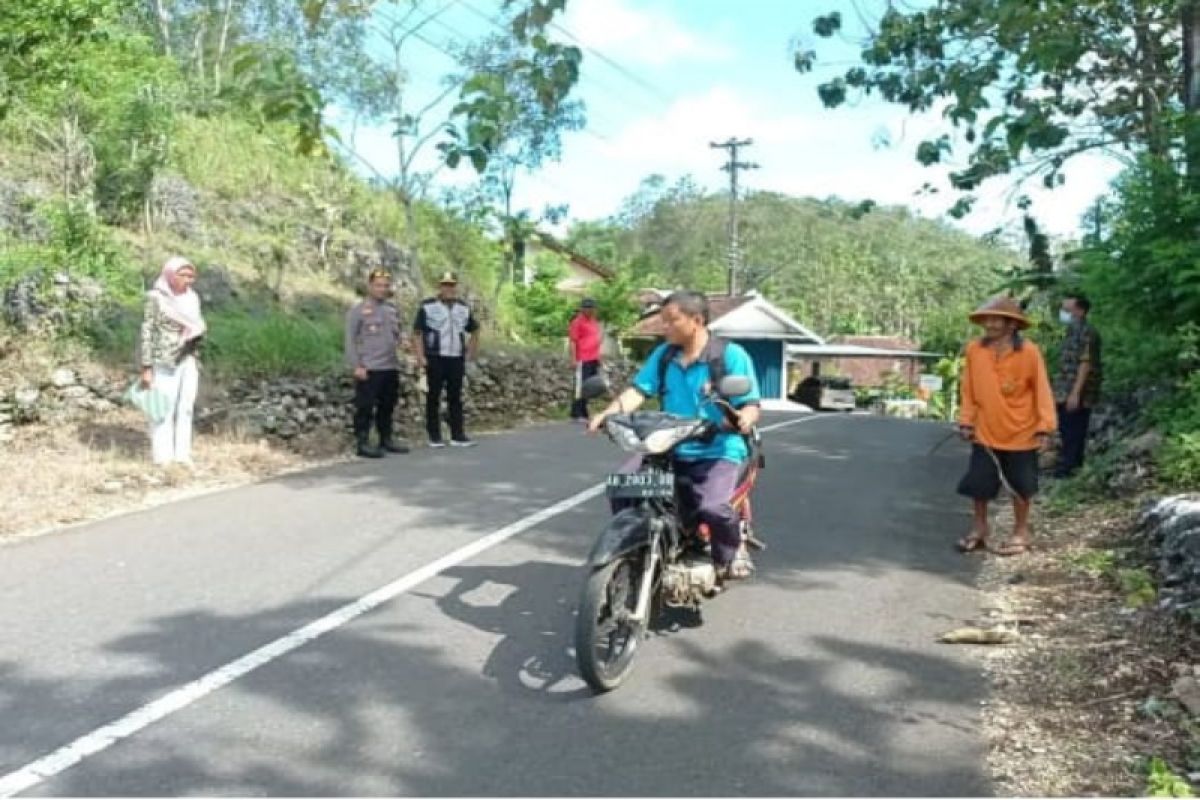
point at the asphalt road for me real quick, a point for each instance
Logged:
(819, 677)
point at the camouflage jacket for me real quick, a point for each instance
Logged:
(161, 342)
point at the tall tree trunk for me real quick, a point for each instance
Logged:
(1190, 14)
(404, 163)
(222, 43)
(198, 49)
(164, 24)
(512, 231)
(515, 233)
(1150, 108)
(404, 192)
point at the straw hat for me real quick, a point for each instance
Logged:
(1001, 306)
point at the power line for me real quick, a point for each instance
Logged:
(444, 49)
(626, 73)
(585, 129)
(499, 22)
(732, 166)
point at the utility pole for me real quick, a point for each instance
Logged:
(735, 249)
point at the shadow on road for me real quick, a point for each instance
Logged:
(380, 708)
(376, 709)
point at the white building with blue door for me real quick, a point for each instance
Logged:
(764, 329)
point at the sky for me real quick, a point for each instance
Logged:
(661, 79)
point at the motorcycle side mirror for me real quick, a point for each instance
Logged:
(734, 386)
(594, 387)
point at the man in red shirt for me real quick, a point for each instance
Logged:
(587, 339)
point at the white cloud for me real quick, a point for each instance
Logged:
(827, 153)
(651, 37)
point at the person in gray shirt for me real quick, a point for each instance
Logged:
(372, 351)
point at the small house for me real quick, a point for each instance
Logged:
(867, 361)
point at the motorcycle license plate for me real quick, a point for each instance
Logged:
(641, 485)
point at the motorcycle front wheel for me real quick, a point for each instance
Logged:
(606, 637)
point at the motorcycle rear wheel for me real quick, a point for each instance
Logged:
(606, 639)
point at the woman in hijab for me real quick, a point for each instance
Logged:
(172, 328)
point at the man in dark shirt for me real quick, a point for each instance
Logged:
(1077, 385)
(372, 345)
(447, 337)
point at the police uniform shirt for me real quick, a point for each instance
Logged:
(444, 327)
(373, 335)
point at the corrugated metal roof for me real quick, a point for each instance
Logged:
(853, 351)
(651, 326)
(721, 306)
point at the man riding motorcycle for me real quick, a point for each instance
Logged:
(710, 469)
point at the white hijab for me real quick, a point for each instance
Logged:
(183, 308)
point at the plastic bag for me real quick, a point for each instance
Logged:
(151, 402)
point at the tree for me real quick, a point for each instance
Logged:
(546, 71)
(550, 68)
(270, 59)
(97, 95)
(1190, 13)
(525, 129)
(839, 270)
(381, 92)
(41, 41)
(1026, 86)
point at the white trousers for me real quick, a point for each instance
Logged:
(171, 439)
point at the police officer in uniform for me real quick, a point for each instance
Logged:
(372, 345)
(447, 336)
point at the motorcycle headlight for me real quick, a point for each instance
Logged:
(625, 438)
(663, 440)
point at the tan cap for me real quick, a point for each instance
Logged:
(1001, 306)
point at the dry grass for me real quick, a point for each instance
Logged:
(1083, 699)
(55, 476)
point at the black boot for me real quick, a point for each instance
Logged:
(367, 450)
(390, 446)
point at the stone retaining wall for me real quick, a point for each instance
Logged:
(502, 389)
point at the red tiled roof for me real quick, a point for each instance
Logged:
(651, 326)
(882, 342)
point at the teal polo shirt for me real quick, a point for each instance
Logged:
(685, 393)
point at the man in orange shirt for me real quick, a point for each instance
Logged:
(1008, 415)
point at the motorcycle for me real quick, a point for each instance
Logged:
(652, 553)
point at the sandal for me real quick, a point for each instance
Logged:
(739, 569)
(1013, 547)
(972, 542)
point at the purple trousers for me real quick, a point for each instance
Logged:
(706, 489)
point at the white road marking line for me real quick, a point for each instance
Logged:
(102, 738)
(789, 423)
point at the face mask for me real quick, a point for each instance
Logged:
(1066, 317)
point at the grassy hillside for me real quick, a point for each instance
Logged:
(282, 240)
(839, 267)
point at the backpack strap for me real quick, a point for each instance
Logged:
(664, 363)
(716, 364)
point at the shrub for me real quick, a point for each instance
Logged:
(274, 343)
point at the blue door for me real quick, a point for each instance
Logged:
(767, 355)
